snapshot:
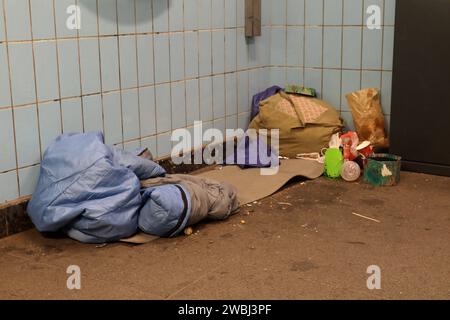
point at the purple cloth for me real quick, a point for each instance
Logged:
(253, 152)
(257, 98)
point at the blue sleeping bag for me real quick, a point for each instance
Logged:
(89, 190)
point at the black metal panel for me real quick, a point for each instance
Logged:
(420, 117)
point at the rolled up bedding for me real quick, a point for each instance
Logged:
(166, 210)
(176, 201)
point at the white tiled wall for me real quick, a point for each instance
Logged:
(138, 69)
(325, 44)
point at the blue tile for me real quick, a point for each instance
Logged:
(128, 62)
(368, 13)
(313, 79)
(46, 70)
(351, 82)
(90, 64)
(243, 120)
(176, 56)
(7, 148)
(217, 17)
(277, 78)
(162, 58)
(160, 16)
(109, 64)
(69, 69)
(389, 12)
(371, 79)
(205, 54)
(61, 8)
(332, 87)
(145, 60)
(27, 136)
(219, 124)
(5, 94)
(240, 14)
(163, 108)
(89, 18)
(372, 49)
(178, 105)
(147, 111)
(190, 15)
(164, 145)
(314, 12)
(231, 122)
(333, 12)
(332, 47)
(353, 12)
(313, 47)
(348, 120)
(22, 73)
(386, 92)
(176, 22)
(230, 50)
(230, 13)
(49, 123)
(294, 76)
(144, 16)
(219, 96)
(2, 23)
(28, 179)
(107, 18)
(132, 146)
(262, 43)
(218, 51)
(242, 91)
(9, 189)
(126, 17)
(278, 12)
(43, 19)
(254, 81)
(191, 54)
(204, 14)
(295, 12)
(92, 113)
(150, 143)
(72, 115)
(252, 53)
(112, 111)
(388, 48)
(192, 101)
(18, 23)
(130, 114)
(278, 47)
(242, 50)
(206, 99)
(231, 94)
(295, 37)
(351, 58)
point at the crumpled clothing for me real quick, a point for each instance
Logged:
(89, 190)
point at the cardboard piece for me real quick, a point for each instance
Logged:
(252, 186)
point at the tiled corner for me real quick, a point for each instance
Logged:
(137, 70)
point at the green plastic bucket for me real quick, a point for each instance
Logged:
(383, 169)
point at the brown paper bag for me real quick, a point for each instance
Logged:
(368, 116)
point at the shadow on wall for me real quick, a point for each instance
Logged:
(159, 9)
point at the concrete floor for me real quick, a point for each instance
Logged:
(302, 243)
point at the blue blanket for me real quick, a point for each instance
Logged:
(90, 190)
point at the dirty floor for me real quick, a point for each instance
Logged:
(305, 242)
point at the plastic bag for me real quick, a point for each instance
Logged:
(368, 117)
